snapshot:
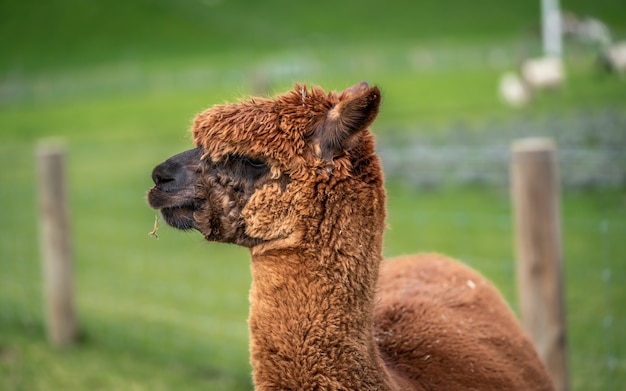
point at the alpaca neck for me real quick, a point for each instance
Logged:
(312, 308)
(309, 331)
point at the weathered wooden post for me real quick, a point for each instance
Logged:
(535, 193)
(55, 244)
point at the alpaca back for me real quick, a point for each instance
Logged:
(441, 325)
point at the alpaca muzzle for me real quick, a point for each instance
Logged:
(174, 189)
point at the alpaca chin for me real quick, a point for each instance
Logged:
(179, 217)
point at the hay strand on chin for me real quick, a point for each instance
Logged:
(155, 228)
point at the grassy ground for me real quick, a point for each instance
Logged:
(120, 81)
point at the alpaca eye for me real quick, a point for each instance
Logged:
(254, 162)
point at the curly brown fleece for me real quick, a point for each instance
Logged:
(325, 313)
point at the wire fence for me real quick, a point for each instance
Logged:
(591, 158)
(193, 309)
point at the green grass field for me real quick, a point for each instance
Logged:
(120, 81)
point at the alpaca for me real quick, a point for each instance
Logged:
(296, 180)
(542, 73)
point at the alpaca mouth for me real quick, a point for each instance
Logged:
(177, 213)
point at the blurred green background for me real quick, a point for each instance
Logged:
(120, 82)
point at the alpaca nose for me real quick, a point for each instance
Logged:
(174, 173)
(164, 173)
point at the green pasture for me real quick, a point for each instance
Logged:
(120, 81)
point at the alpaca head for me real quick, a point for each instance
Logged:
(258, 162)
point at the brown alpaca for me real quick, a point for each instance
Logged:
(296, 180)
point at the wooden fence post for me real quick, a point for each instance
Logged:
(536, 203)
(55, 245)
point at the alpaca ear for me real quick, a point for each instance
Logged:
(358, 88)
(357, 108)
